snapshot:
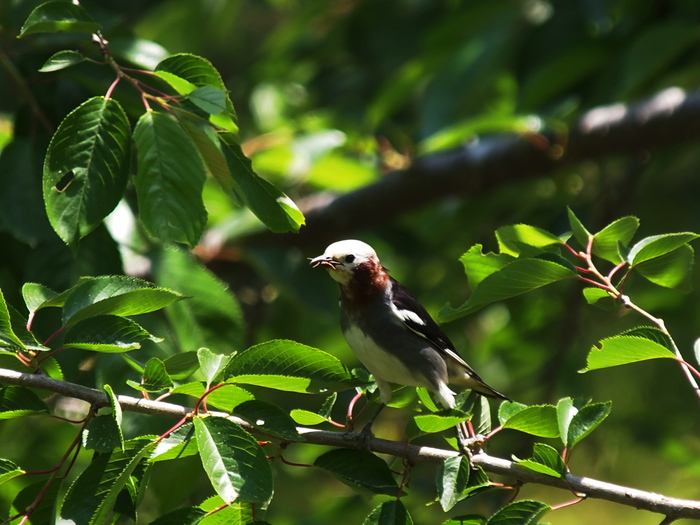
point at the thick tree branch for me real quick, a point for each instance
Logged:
(672, 116)
(673, 508)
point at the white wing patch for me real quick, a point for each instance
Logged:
(408, 315)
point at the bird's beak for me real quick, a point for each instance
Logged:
(322, 260)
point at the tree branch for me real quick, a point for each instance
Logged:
(672, 508)
(672, 116)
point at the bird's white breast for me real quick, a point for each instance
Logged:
(383, 365)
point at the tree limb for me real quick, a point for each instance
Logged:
(672, 116)
(672, 508)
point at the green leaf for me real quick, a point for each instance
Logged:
(478, 265)
(607, 241)
(586, 420)
(518, 277)
(360, 470)
(523, 512)
(181, 366)
(234, 462)
(389, 513)
(101, 434)
(37, 296)
(513, 240)
(9, 470)
(86, 168)
(235, 514)
(537, 420)
(277, 211)
(545, 460)
(44, 497)
(224, 398)
(671, 270)
(169, 180)
(567, 408)
(107, 333)
(581, 234)
(432, 423)
(290, 366)
(328, 404)
(594, 294)
(658, 245)
(452, 481)
(62, 60)
(269, 418)
(92, 495)
(183, 516)
(17, 401)
(200, 72)
(307, 418)
(209, 99)
(212, 365)
(182, 86)
(577, 419)
(155, 377)
(8, 337)
(212, 317)
(178, 444)
(206, 139)
(59, 16)
(115, 295)
(467, 519)
(625, 349)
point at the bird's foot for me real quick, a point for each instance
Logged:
(363, 437)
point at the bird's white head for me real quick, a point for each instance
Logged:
(343, 257)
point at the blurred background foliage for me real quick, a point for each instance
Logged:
(331, 96)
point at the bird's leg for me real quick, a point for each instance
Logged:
(366, 432)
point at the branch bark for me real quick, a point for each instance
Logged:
(672, 508)
(672, 116)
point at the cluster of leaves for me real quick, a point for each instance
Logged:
(530, 258)
(189, 135)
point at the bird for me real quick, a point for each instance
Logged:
(390, 332)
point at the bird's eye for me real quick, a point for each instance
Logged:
(349, 258)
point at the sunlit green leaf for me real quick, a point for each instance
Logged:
(516, 278)
(671, 270)
(62, 60)
(291, 366)
(115, 295)
(538, 420)
(59, 16)
(515, 240)
(625, 349)
(545, 460)
(620, 232)
(234, 462)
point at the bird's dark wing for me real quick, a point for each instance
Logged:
(416, 317)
